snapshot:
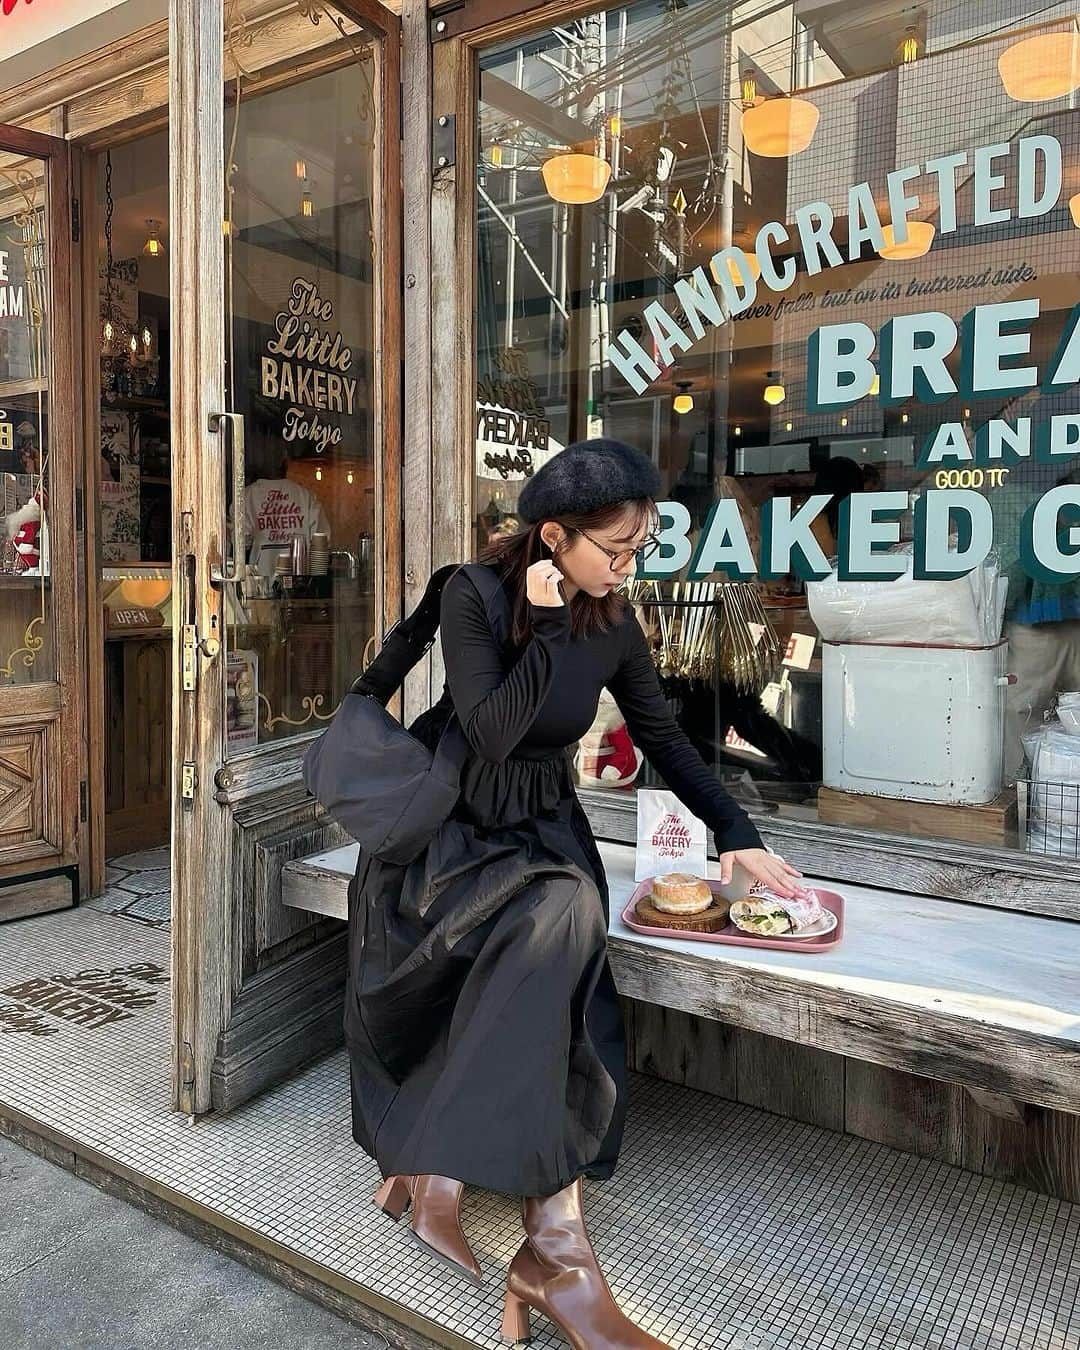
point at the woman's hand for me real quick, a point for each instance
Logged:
(542, 584)
(763, 866)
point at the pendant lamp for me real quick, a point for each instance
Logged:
(920, 238)
(684, 400)
(1074, 210)
(733, 269)
(154, 246)
(576, 178)
(1043, 67)
(776, 128)
(774, 392)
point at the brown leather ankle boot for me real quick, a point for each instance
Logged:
(555, 1271)
(436, 1217)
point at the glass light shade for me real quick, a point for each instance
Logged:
(684, 403)
(149, 592)
(875, 384)
(307, 206)
(1043, 67)
(733, 269)
(779, 127)
(909, 48)
(920, 238)
(1074, 210)
(774, 394)
(576, 179)
(154, 248)
(495, 155)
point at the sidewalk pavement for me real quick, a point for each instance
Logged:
(79, 1268)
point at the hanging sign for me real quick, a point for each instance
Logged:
(306, 365)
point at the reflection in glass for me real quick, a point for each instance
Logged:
(747, 159)
(300, 257)
(26, 640)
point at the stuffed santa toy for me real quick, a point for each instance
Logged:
(24, 530)
(606, 756)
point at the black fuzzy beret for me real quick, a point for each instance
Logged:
(584, 477)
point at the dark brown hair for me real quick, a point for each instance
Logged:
(514, 554)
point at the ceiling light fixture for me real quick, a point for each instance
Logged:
(576, 179)
(777, 128)
(154, 247)
(920, 239)
(1043, 67)
(909, 48)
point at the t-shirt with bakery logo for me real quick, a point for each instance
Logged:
(277, 510)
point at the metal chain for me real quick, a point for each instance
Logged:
(108, 212)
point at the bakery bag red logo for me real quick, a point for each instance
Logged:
(7, 6)
(671, 838)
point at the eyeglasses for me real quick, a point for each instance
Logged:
(619, 558)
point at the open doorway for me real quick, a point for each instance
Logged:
(134, 472)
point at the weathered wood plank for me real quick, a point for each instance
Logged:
(1040, 1151)
(201, 911)
(990, 823)
(922, 1115)
(417, 445)
(452, 360)
(681, 1048)
(803, 1082)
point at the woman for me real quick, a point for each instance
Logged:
(485, 1034)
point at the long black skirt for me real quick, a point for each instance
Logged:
(484, 1032)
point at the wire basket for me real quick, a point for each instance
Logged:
(1049, 817)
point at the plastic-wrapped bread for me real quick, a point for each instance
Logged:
(769, 915)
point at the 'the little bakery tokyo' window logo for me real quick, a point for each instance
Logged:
(307, 366)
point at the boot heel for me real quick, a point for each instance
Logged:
(393, 1197)
(515, 1324)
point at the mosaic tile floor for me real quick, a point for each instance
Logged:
(137, 886)
(725, 1228)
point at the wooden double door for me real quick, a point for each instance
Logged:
(43, 788)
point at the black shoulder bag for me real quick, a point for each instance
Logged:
(371, 775)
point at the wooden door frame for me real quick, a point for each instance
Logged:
(61, 699)
(204, 967)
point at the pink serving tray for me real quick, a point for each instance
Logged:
(829, 900)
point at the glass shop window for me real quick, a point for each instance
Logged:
(300, 291)
(838, 306)
(27, 648)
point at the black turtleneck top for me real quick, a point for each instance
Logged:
(545, 696)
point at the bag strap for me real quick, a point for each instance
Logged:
(405, 642)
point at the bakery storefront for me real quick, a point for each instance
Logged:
(292, 308)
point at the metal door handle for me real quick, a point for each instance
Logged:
(231, 571)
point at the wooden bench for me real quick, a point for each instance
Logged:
(977, 996)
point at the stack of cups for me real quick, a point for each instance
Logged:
(319, 557)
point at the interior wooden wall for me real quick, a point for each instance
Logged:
(1033, 1147)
